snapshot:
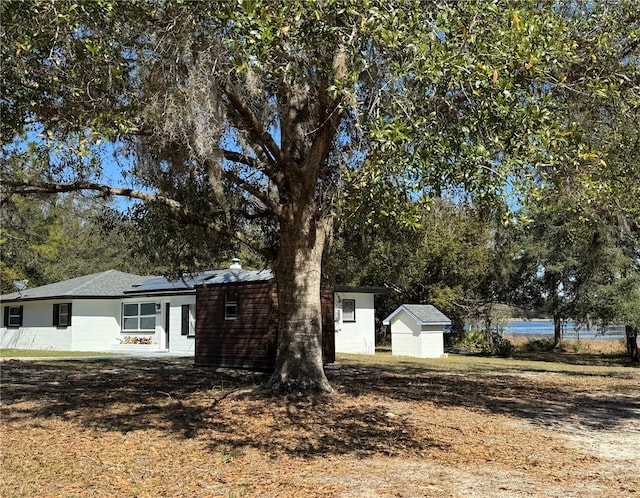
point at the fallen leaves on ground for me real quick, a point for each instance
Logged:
(122, 427)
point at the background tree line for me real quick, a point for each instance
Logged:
(279, 126)
(557, 264)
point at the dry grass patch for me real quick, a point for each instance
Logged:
(456, 426)
(49, 353)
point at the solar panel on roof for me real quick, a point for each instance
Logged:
(157, 284)
(164, 284)
(227, 277)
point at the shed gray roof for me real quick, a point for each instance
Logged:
(105, 284)
(424, 314)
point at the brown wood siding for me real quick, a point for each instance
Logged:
(250, 340)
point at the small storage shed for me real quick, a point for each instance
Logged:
(417, 330)
(237, 321)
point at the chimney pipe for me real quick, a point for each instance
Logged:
(235, 264)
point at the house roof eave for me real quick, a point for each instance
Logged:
(363, 290)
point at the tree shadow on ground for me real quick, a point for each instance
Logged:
(319, 426)
(509, 391)
(569, 358)
(230, 409)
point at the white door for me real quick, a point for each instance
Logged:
(165, 329)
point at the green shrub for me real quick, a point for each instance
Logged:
(537, 346)
(501, 346)
(471, 339)
(474, 339)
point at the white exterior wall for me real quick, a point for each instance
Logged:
(158, 340)
(432, 341)
(179, 343)
(357, 337)
(96, 324)
(408, 338)
(405, 336)
(37, 331)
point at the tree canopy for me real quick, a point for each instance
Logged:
(265, 122)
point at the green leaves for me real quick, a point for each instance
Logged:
(378, 102)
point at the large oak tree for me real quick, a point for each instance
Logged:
(264, 121)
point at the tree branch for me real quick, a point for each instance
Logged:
(331, 114)
(251, 124)
(22, 188)
(252, 162)
(262, 196)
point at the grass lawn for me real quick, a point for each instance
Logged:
(455, 426)
(47, 353)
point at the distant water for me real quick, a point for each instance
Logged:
(544, 329)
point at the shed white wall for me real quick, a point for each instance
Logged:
(431, 341)
(357, 337)
(405, 336)
(409, 338)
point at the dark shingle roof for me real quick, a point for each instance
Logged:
(425, 314)
(115, 284)
(105, 284)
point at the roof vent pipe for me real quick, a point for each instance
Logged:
(235, 264)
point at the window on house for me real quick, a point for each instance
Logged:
(13, 316)
(348, 310)
(62, 315)
(230, 305)
(139, 316)
(188, 326)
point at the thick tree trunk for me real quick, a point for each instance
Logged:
(632, 343)
(557, 331)
(488, 332)
(299, 365)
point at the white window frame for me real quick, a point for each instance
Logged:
(63, 315)
(58, 310)
(139, 316)
(349, 316)
(230, 303)
(15, 315)
(190, 330)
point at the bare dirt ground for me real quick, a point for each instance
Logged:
(453, 427)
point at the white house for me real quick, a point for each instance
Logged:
(355, 321)
(417, 330)
(105, 311)
(116, 311)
